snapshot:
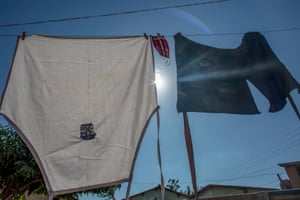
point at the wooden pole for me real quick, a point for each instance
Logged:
(294, 106)
(162, 182)
(190, 151)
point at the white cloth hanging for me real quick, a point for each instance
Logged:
(81, 106)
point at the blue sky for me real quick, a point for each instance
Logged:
(229, 149)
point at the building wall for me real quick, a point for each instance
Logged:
(37, 197)
(227, 191)
(294, 175)
(279, 195)
(235, 197)
(156, 195)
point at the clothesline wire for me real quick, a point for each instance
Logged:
(112, 14)
(189, 35)
(240, 33)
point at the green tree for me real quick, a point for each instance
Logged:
(187, 191)
(19, 172)
(173, 184)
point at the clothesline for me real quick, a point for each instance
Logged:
(185, 34)
(112, 14)
(253, 65)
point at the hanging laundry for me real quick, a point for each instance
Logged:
(161, 45)
(214, 80)
(211, 79)
(81, 106)
(266, 72)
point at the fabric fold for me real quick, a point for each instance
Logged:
(266, 72)
(211, 79)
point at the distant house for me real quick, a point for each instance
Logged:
(293, 171)
(37, 197)
(155, 194)
(213, 190)
(222, 192)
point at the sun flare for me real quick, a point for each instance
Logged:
(159, 80)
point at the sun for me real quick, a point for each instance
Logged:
(159, 80)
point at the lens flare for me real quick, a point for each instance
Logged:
(189, 18)
(159, 80)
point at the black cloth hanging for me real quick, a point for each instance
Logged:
(266, 72)
(214, 80)
(210, 79)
